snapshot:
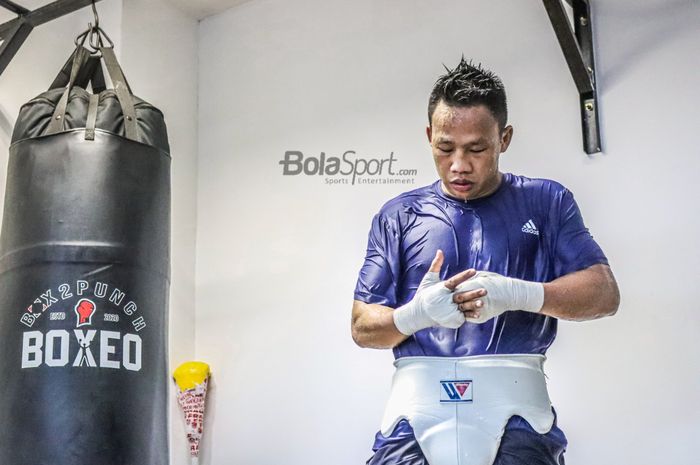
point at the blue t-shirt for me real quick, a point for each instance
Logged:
(529, 229)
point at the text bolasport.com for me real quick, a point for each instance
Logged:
(347, 169)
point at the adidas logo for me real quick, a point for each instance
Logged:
(530, 228)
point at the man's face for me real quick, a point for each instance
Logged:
(466, 143)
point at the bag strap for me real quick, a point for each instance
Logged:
(123, 91)
(91, 117)
(113, 68)
(85, 68)
(91, 72)
(84, 74)
(80, 57)
(97, 79)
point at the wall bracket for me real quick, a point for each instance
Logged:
(577, 46)
(13, 33)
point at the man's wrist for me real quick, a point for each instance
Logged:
(528, 295)
(409, 319)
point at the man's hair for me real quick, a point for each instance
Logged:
(468, 85)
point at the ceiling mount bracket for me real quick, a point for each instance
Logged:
(13, 33)
(577, 46)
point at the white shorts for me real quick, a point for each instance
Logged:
(459, 407)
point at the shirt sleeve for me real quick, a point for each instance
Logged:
(574, 247)
(377, 281)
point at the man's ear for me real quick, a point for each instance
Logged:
(429, 133)
(506, 137)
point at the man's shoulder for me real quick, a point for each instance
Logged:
(540, 187)
(519, 181)
(413, 197)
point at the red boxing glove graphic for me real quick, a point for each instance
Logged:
(84, 310)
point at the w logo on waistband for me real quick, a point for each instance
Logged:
(456, 390)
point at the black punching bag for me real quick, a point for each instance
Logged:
(84, 275)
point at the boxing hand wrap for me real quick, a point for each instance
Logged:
(432, 305)
(502, 294)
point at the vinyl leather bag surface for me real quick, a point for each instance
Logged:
(84, 275)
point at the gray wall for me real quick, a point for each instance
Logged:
(277, 256)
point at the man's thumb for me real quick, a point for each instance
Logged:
(437, 262)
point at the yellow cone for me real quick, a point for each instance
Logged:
(190, 374)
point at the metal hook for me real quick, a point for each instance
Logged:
(97, 38)
(94, 35)
(97, 17)
(80, 39)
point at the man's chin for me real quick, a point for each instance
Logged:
(459, 194)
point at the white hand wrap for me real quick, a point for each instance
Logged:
(432, 305)
(503, 294)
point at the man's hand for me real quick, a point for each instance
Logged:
(433, 303)
(376, 326)
(496, 294)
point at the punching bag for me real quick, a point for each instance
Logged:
(84, 275)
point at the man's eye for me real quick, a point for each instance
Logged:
(478, 149)
(445, 149)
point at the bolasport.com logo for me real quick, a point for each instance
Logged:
(348, 168)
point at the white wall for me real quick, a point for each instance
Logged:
(277, 256)
(160, 56)
(157, 46)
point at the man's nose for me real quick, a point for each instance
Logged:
(461, 163)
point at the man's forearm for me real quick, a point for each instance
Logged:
(584, 295)
(373, 326)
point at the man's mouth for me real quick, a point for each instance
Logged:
(461, 185)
